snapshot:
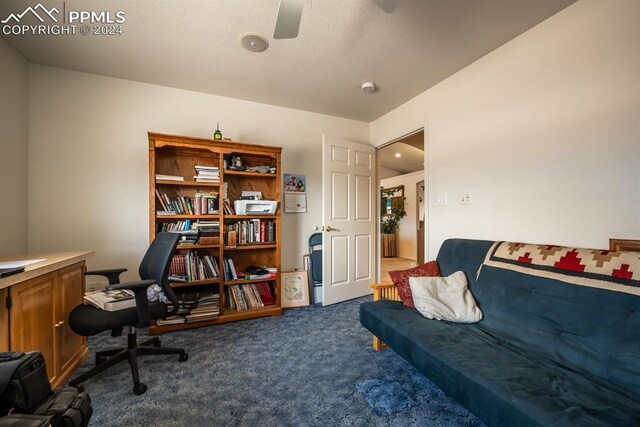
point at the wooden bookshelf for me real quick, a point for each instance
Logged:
(177, 156)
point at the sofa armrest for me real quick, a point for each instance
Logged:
(383, 291)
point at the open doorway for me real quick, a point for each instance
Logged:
(402, 204)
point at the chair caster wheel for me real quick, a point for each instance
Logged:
(139, 389)
(183, 357)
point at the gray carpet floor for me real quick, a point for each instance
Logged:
(298, 369)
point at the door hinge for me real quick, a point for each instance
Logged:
(8, 302)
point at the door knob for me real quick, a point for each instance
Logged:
(328, 228)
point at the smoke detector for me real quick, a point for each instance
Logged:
(368, 87)
(253, 42)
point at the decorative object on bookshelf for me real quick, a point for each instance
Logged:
(217, 135)
(195, 198)
(295, 289)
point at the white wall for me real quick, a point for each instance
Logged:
(14, 113)
(407, 238)
(88, 158)
(545, 132)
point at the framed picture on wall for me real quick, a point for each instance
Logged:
(295, 289)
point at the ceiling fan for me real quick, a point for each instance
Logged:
(290, 13)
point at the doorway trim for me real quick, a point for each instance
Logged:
(425, 131)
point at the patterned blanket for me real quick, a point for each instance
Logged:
(615, 271)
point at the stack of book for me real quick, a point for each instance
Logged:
(267, 273)
(110, 300)
(190, 266)
(208, 308)
(207, 174)
(209, 232)
(249, 295)
(194, 307)
(179, 317)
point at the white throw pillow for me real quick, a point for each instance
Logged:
(445, 298)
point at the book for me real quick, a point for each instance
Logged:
(111, 300)
(169, 177)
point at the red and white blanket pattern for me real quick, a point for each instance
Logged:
(616, 271)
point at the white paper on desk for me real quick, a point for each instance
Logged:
(17, 264)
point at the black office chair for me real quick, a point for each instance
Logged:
(87, 320)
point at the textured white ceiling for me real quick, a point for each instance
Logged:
(193, 44)
(411, 158)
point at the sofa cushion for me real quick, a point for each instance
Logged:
(445, 298)
(590, 330)
(400, 278)
(501, 384)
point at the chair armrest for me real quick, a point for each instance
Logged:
(133, 286)
(139, 289)
(382, 291)
(113, 274)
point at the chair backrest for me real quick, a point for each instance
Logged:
(315, 240)
(315, 257)
(156, 262)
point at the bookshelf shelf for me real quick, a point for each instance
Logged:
(243, 281)
(228, 316)
(192, 247)
(250, 216)
(250, 174)
(187, 183)
(171, 217)
(195, 283)
(231, 315)
(253, 247)
(178, 156)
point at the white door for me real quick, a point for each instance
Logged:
(348, 219)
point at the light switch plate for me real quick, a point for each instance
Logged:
(465, 198)
(441, 199)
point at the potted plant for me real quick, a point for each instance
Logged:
(389, 223)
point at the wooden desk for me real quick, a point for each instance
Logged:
(35, 307)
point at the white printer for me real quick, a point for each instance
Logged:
(255, 207)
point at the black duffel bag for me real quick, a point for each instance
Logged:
(25, 420)
(23, 381)
(67, 407)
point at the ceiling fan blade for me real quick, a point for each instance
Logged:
(387, 5)
(288, 19)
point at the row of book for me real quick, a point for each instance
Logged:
(249, 295)
(191, 266)
(203, 203)
(194, 308)
(251, 231)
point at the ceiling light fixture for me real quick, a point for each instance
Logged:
(368, 87)
(253, 42)
(398, 155)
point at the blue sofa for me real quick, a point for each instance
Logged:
(546, 353)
